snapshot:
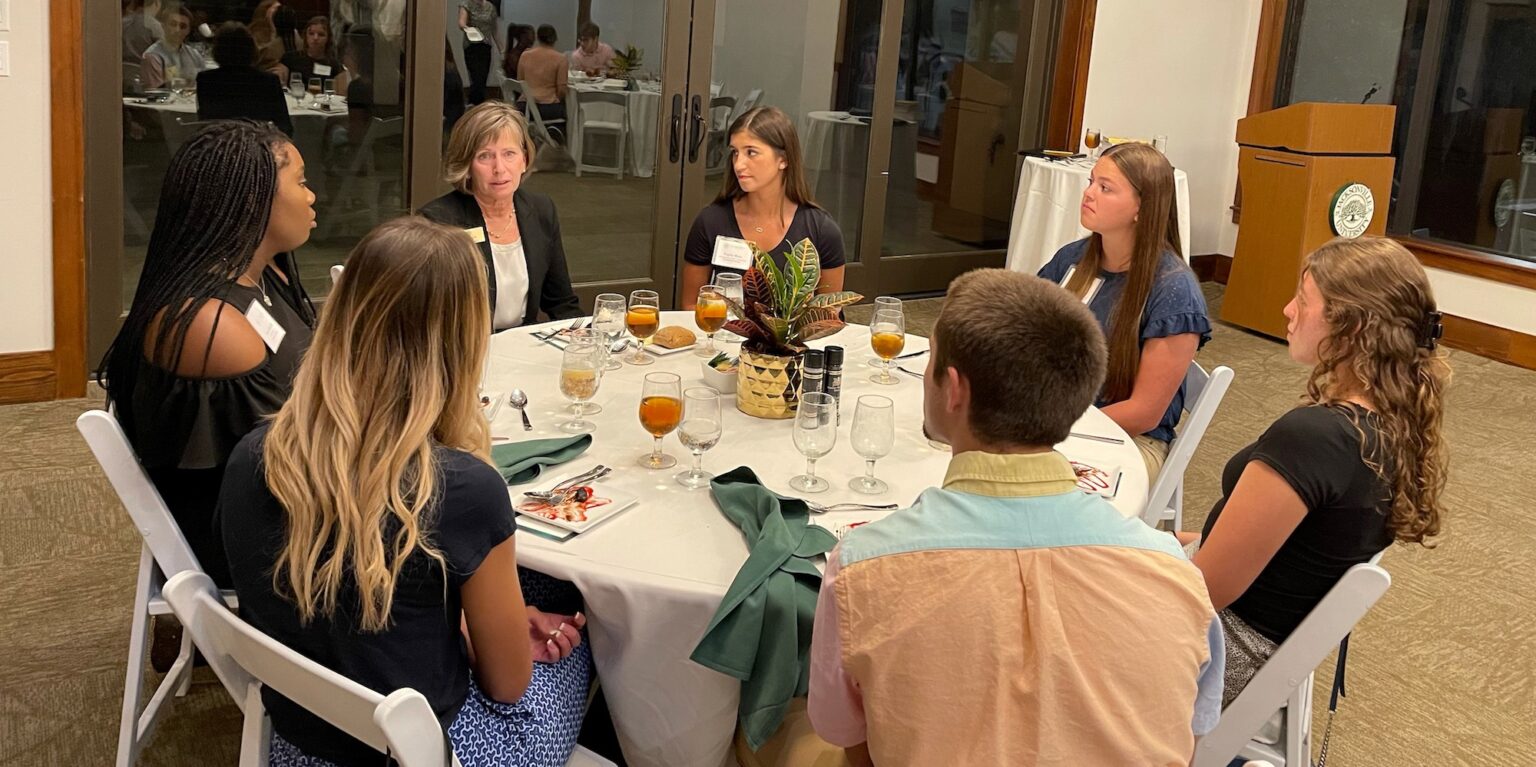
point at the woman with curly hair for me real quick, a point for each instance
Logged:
(1360, 464)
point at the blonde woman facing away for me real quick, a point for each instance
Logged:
(367, 529)
(1359, 464)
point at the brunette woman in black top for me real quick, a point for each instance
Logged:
(1360, 464)
(219, 321)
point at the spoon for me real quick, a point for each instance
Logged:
(519, 400)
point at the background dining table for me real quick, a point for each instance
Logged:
(653, 575)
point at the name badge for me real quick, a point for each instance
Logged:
(322, 70)
(732, 253)
(1093, 288)
(476, 233)
(266, 327)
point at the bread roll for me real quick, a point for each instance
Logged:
(674, 337)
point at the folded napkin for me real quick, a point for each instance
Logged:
(761, 633)
(521, 462)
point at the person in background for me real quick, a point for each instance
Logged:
(141, 28)
(318, 56)
(388, 553)
(1008, 617)
(269, 42)
(1130, 273)
(453, 92)
(545, 72)
(1360, 464)
(518, 231)
(481, 16)
(170, 60)
(365, 101)
(591, 55)
(219, 320)
(237, 89)
(765, 201)
(519, 40)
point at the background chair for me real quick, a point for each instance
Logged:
(586, 127)
(400, 724)
(1284, 684)
(359, 197)
(336, 270)
(516, 92)
(1203, 393)
(165, 552)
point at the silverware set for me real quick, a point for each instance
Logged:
(822, 508)
(571, 488)
(549, 336)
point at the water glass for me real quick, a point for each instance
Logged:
(699, 431)
(330, 89)
(296, 85)
(730, 286)
(887, 336)
(580, 374)
(815, 436)
(873, 437)
(709, 315)
(589, 336)
(643, 320)
(608, 320)
(661, 409)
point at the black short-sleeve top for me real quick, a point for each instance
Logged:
(1317, 451)
(718, 219)
(422, 648)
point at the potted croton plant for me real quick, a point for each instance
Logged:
(780, 311)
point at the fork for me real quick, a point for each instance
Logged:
(565, 487)
(822, 508)
(576, 324)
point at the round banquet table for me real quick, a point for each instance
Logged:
(653, 575)
(1046, 211)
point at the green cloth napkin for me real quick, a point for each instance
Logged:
(521, 462)
(761, 633)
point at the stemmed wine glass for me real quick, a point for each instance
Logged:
(709, 315)
(643, 320)
(580, 374)
(873, 436)
(296, 86)
(887, 336)
(589, 336)
(608, 319)
(661, 408)
(699, 431)
(730, 286)
(815, 435)
(1091, 139)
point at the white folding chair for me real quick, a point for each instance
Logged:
(165, 552)
(742, 106)
(1203, 394)
(1283, 687)
(515, 91)
(717, 152)
(617, 130)
(400, 724)
(336, 270)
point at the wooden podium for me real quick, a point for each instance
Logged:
(1294, 164)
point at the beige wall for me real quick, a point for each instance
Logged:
(26, 291)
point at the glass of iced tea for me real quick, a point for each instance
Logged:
(661, 409)
(642, 319)
(580, 372)
(709, 315)
(887, 336)
(1091, 140)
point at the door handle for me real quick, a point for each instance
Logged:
(698, 130)
(675, 138)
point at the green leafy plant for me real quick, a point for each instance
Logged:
(780, 310)
(625, 61)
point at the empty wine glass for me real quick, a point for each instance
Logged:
(815, 435)
(661, 408)
(699, 431)
(887, 336)
(709, 315)
(608, 320)
(643, 320)
(580, 373)
(873, 436)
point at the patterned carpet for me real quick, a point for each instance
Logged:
(1443, 671)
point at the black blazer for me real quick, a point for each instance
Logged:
(549, 280)
(229, 93)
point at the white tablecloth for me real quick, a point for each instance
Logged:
(188, 106)
(1046, 211)
(653, 576)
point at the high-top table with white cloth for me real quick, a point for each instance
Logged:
(1046, 211)
(653, 576)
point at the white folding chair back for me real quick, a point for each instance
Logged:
(717, 150)
(165, 551)
(515, 91)
(336, 270)
(1203, 394)
(1284, 683)
(616, 130)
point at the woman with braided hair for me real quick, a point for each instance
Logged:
(219, 320)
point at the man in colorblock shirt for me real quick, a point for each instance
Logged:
(1008, 617)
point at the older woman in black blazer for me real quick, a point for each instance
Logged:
(517, 230)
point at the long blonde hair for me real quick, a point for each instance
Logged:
(392, 372)
(1382, 327)
(1157, 229)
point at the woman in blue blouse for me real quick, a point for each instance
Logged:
(1130, 274)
